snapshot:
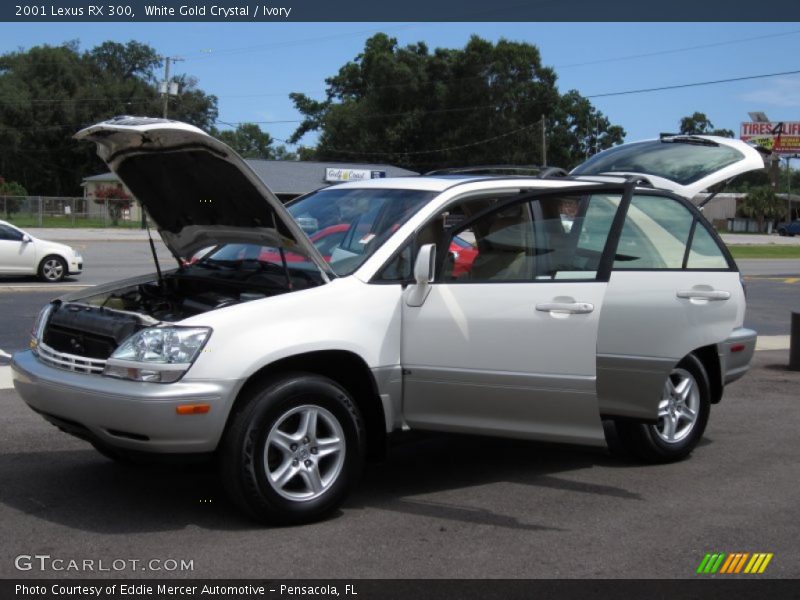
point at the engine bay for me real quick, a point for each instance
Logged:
(94, 326)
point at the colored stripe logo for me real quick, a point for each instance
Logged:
(733, 563)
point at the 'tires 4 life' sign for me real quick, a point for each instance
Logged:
(782, 138)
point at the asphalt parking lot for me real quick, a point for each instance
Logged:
(441, 506)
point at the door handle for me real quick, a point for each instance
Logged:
(704, 294)
(572, 308)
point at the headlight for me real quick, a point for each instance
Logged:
(158, 354)
(39, 324)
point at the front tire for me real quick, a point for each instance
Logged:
(52, 269)
(682, 417)
(293, 449)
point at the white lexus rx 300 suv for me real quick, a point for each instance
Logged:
(602, 295)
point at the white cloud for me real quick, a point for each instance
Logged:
(783, 91)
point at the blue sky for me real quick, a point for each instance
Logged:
(253, 67)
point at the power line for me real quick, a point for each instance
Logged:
(419, 152)
(688, 85)
(676, 50)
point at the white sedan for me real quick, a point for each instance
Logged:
(23, 254)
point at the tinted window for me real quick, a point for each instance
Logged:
(544, 239)
(705, 253)
(681, 162)
(9, 233)
(654, 235)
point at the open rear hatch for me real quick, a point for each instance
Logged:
(684, 164)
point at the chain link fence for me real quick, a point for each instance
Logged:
(52, 211)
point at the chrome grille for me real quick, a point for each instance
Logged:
(69, 362)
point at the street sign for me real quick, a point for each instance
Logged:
(781, 137)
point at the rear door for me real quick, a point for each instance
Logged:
(673, 289)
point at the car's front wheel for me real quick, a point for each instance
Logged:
(52, 269)
(683, 413)
(293, 449)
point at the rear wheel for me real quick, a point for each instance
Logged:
(52, 269)
(683, 413)
(293, 449)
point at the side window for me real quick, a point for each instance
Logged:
(504, 240)
(654, 235)
(705, 253)
(399, 268)
(549, 238)
(9, 234)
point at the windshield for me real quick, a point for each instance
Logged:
(348, 225)
(675, 160)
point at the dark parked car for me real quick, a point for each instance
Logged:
(790, 229)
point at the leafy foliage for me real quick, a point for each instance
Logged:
(482, 104)
(761, 204)
(699, 124)
(49, 92)
(116, 200)
(251, 142)
(11, 192)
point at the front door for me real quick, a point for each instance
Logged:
(16, 256)
(508, 346)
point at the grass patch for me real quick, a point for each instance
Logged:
(25, 222)
(767, 251)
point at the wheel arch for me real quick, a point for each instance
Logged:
(52, 254)
(709, 358)
(347, 369)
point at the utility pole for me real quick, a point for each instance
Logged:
(168, 88)
(544, 142)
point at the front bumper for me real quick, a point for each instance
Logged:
(736, 352)
(76, 266)
(130, 415)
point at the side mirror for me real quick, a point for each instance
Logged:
(425, 265)
(26, 239)
(424, 268)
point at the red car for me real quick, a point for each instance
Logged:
(330, 237)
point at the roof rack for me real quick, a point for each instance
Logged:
(638, 180)
(686, 138)
(527, 170)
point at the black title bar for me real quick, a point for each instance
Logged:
(407, 10)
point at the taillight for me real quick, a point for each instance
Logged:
(744, 286)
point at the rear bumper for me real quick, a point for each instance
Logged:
(735, 354)
(129, 415)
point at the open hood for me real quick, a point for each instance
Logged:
(196, 189)
(684, 164)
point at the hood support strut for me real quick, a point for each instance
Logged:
(155, 254)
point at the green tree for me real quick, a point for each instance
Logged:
(761, 204)
(47, 93)
(481, 104)
(699, 124)
(11, 193)
(250, 141)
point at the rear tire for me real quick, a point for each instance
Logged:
(683, 415)
(293, 449)
(52, 269)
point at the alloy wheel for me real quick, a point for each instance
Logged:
(679, 407)
(304, 452)
(53, 269)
